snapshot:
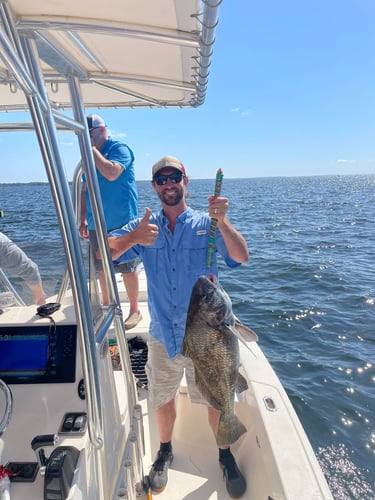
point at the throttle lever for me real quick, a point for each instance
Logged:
(39, 443)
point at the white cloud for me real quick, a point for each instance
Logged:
(118, 135)
(242, 112)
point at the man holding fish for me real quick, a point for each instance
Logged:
(173, 247)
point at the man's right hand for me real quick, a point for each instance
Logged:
(144, 234)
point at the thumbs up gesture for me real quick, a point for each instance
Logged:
(144, 234)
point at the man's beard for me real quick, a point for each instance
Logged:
(171, 199)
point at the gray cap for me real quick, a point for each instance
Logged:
(95, 121)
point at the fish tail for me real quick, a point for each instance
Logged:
(229, 430)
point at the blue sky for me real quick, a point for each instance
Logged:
(291, 92)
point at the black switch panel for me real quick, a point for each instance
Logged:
(24, 472)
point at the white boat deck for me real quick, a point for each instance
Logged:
(274, 455)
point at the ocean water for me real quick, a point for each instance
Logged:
(308, 291)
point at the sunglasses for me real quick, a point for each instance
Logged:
(92, 128)
(175, 178)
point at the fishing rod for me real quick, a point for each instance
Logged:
(212, 235)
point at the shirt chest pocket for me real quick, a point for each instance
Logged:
(194, 251)
(155, 255)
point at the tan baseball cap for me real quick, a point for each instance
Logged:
(168, 161)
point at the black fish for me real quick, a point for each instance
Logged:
(211, 341)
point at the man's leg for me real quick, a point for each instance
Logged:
(235, 482)
(131, 283)
(165, 418)
(103, 288)
(94, 247)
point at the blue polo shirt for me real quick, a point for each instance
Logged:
(119, 196)
(172, 265)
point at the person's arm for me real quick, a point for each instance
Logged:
(16, 263)
(83, 222)
(108, 168)
(39, 295)
(144, 234)
(234, 241)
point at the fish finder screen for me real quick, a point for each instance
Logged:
(23, 354)
(37, 354)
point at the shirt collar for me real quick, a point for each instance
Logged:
(181, 218)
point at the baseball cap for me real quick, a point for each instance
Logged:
(168, 161)
(95, 121)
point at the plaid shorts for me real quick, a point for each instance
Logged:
(123, 267)
(164, 375)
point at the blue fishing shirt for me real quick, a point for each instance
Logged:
(173, 263)
(119, 196)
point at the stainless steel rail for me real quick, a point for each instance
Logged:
(22, 59)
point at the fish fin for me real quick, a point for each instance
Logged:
(240, 385)
(185, 349)
(229, 430)
(247, 333)
(242, 332)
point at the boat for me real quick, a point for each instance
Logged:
(74, 418)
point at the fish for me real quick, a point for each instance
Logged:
(211, 340)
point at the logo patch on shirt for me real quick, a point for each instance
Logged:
(201, 232)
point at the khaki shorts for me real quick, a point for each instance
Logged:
(165, 374)
(123, 267)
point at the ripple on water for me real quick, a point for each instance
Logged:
(345, 479)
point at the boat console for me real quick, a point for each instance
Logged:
(46, 423)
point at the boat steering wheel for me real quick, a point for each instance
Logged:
(8, 406)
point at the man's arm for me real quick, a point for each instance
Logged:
(109, 169)
(234, 241)
(39, 296)
(16, 263)
(144, 234)
(83, 222)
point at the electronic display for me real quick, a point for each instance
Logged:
(24, 354)
(38, 353)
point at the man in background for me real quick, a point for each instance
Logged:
(114, 163)
(15, 262)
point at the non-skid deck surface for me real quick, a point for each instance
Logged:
(194, 473)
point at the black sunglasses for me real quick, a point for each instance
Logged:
(92, 128)
(175, 178)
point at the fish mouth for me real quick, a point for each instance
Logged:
(213, 278)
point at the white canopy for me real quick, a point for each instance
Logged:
(125, 53)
